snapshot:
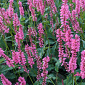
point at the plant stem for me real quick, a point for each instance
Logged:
(72, 78)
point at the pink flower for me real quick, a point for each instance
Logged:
(32, 10)
(22, 80)
(1, 52)
(82, 64)
(68, 36)
(30, 59)
(39, 65)
(3, 28)
(41, 32)
(16, 22)
(40, 6)
(74, 1)
(64, 15)
(75, 45)
(5, 14)
(18, 37)
(82, 4)
(52, 5)
(4, 80)
(77, 9)
(45, 72)
(72, 64)
(21, 8)
(16, 57)
(32, 33)
(22, 58)
(75, 23)
(11, 9)
(59, 36)
(9, 62)
(17, 83)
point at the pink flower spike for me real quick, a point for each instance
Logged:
(4, 80)
(45, 72)
(41, 32)
(22, 80)
(21, 8)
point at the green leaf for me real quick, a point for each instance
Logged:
(1, 60)
(57, 64)
(83, 43)
(6, 68)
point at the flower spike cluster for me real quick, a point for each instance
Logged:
(75, 45)
(21, 8)
(41, 32)
(4, 80)
(9, 62)
(45, 72)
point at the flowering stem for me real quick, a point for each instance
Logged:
(51, 80)
(30, 79)
(75, 80)
(72, 78)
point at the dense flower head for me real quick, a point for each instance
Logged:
(1, 52)
(59, 36)
(18, 37)
(74, 1)
(11, 1)
(68, 37)
(77, 9)
(75, 23)
(33, 50)
(22, 80)
(41, 32)
(40, 6)
(52, 5)
(5, 15)
(35, 3)
(21, 8)
(17, 83)
(45, 72)
(64, 15)
(10, 9)
(82, 64)
(32, 32)
(72, 64)
(4, 80)
(3, 28)
(30, 59)
(9, 62)
(82, 4)
(39, 66)
(16, 22)
(75, 45)
(32, 10)
(51, 21)
(16, 57)
(22, 58)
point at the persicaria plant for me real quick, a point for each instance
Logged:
(42, 42)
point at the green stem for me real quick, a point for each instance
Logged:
(51, 80)
(30, 79)
(72, 78)
(5, 43)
